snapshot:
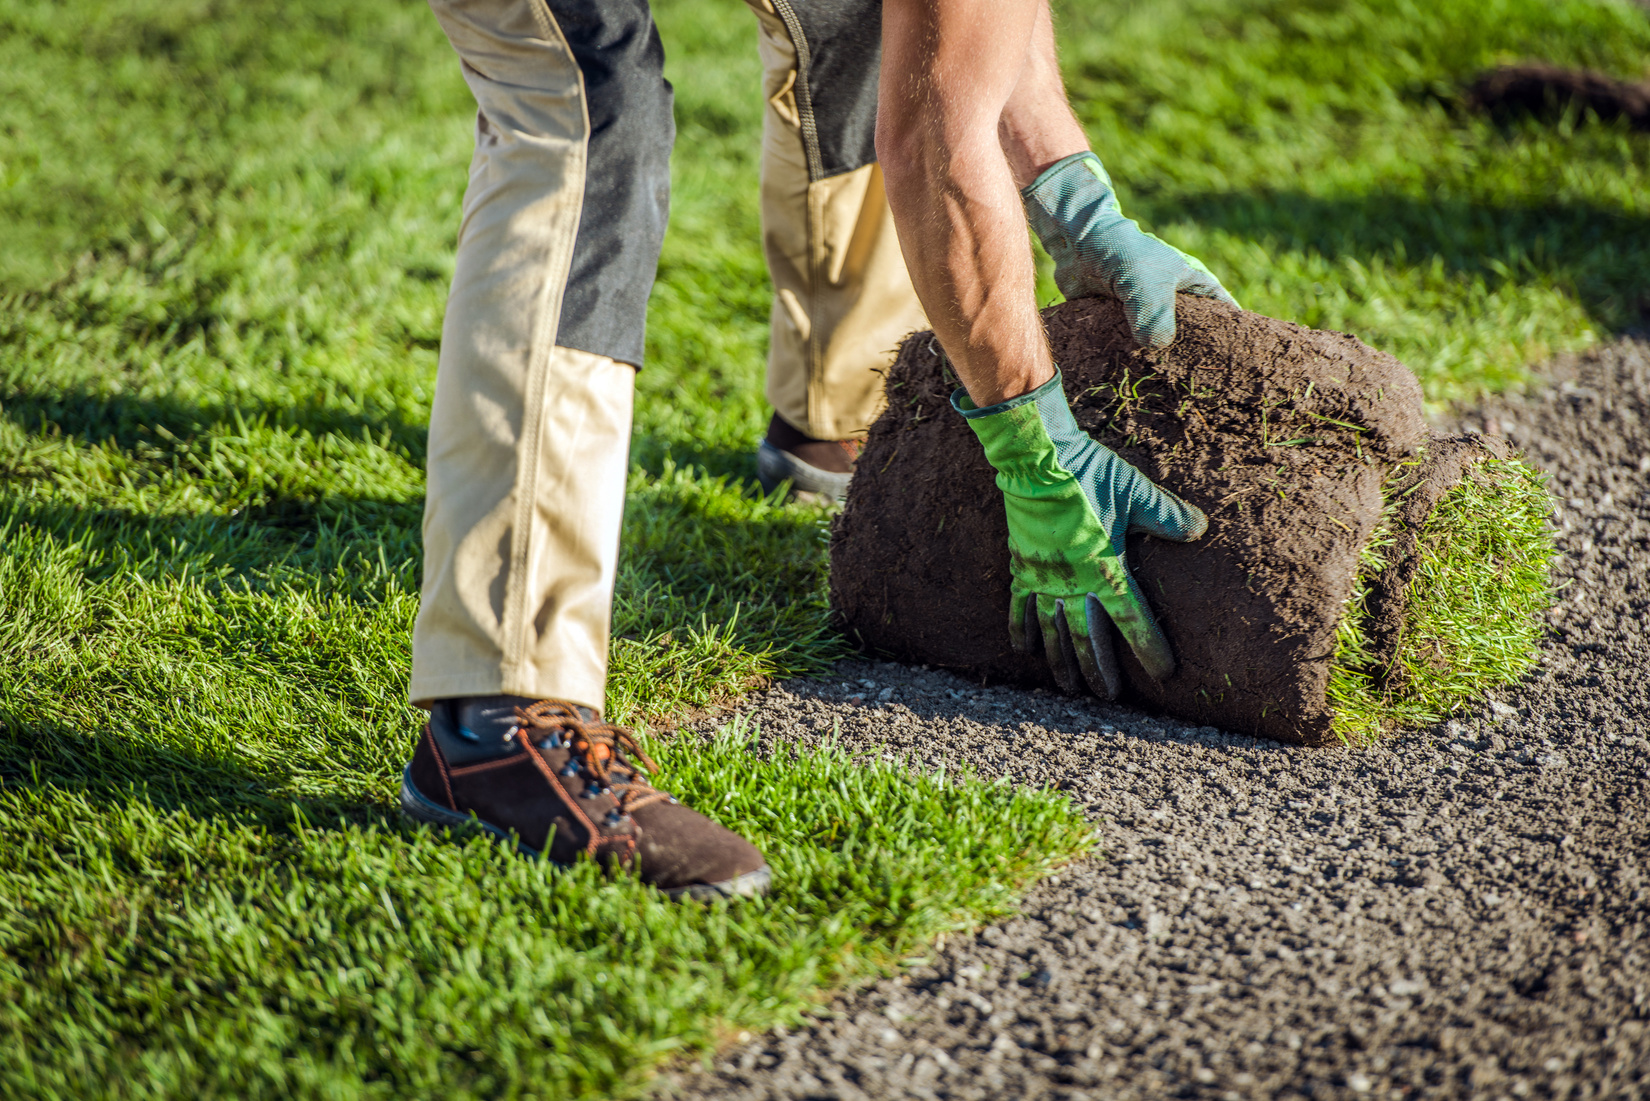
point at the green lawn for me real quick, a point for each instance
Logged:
(225, 237)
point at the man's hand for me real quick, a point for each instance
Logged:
(1097, 251)
(1070, 503)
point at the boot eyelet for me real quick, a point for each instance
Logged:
(571, 768)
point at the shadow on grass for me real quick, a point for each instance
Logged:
(1602, 255)
(167, 424)
(316, 537)
(119, 767)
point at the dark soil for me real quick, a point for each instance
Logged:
(1282, 434)
(1548, 91)
(1460, 912)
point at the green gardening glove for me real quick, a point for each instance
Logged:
(1070, 502)
(1097, 251)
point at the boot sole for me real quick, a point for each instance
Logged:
(808, 482)
(420, 808)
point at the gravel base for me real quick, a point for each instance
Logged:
(1462, 912)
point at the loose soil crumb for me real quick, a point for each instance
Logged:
(1463, 912)
(1543, 90)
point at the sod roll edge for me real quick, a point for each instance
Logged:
(1310, 453)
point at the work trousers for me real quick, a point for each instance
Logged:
(562, 222)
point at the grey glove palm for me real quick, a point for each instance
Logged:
(1073, 209)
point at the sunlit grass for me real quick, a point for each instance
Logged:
(1315, 153)
(228, 234)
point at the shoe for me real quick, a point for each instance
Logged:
(818, 470)
(556, 781)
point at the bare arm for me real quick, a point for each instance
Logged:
(971, 107)
(1037, 126)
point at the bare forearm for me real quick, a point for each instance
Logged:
(1037, 127)
(949, 68)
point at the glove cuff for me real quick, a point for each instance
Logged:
(1065, 200)
(962, 403)
(1052, 178)
(1032, 437)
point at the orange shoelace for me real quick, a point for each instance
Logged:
(599, 748)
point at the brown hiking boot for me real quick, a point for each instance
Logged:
(816, 469)
(555, 780)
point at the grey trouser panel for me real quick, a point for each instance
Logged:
(839, 53)
(627, 174)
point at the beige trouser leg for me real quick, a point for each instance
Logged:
(528, 441)
(842, 300)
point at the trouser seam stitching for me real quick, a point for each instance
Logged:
(541, 351)
(804, 93)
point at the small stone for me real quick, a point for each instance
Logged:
(1359, 1083)
(1406, 988)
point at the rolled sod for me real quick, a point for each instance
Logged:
(1357, 574)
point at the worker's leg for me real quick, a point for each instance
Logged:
(528, 448)
(842, 299)
(530, 429)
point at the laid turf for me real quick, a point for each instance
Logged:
(225, 238)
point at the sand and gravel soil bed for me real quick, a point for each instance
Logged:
(1463, 911)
